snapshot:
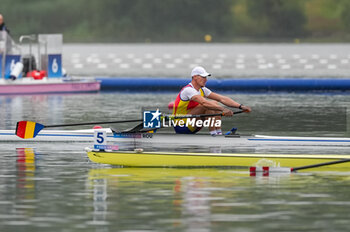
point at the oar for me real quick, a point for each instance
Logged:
(266, 170)
(320, 165)
(29, 129)
(198, 115)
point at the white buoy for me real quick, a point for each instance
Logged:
(16, 71)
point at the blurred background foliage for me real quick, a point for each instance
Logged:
(181, 20)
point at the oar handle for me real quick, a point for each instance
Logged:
(92, 123)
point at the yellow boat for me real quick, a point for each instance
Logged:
(177, 159)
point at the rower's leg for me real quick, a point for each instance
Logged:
(202, 110)
(216, 118)
(215, 130)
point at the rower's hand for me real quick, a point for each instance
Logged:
(246, 109)
(227, 113)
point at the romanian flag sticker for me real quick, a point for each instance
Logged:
(28, 129)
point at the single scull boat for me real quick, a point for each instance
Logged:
(172, 138)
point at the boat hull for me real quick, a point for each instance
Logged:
(173, 159)
(202, 140)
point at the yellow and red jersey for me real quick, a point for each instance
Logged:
(183, 104)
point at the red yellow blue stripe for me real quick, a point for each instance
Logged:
(28, 129)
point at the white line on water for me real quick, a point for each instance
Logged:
(124, 66)
(75, 60)
(96, 60)
(117, 60)
(102, 66)
(309, 66)
(178, 60)
(147, 66)
(262, 66)
(78, 65)
(239, 61)
(149, 55)
(217, 66)
(170, 65)
(167, 56)
(137, 60)
(157, 60)
(285, 66)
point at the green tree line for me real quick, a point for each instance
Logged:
(180, 20)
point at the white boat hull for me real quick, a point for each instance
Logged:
(173, 139)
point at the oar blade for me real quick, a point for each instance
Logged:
(28, 129)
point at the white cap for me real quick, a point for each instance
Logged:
(199, 71)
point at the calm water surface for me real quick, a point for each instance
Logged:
(54, 187)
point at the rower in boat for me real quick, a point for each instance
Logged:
(192, 99)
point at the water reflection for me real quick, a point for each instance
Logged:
(25, 173)
(48, 108)
(49, 188)
(26, 193)
(190, 197)
(99, 200)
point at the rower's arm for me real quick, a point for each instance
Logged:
(224, 100)
(228, 101)
(207, 104)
